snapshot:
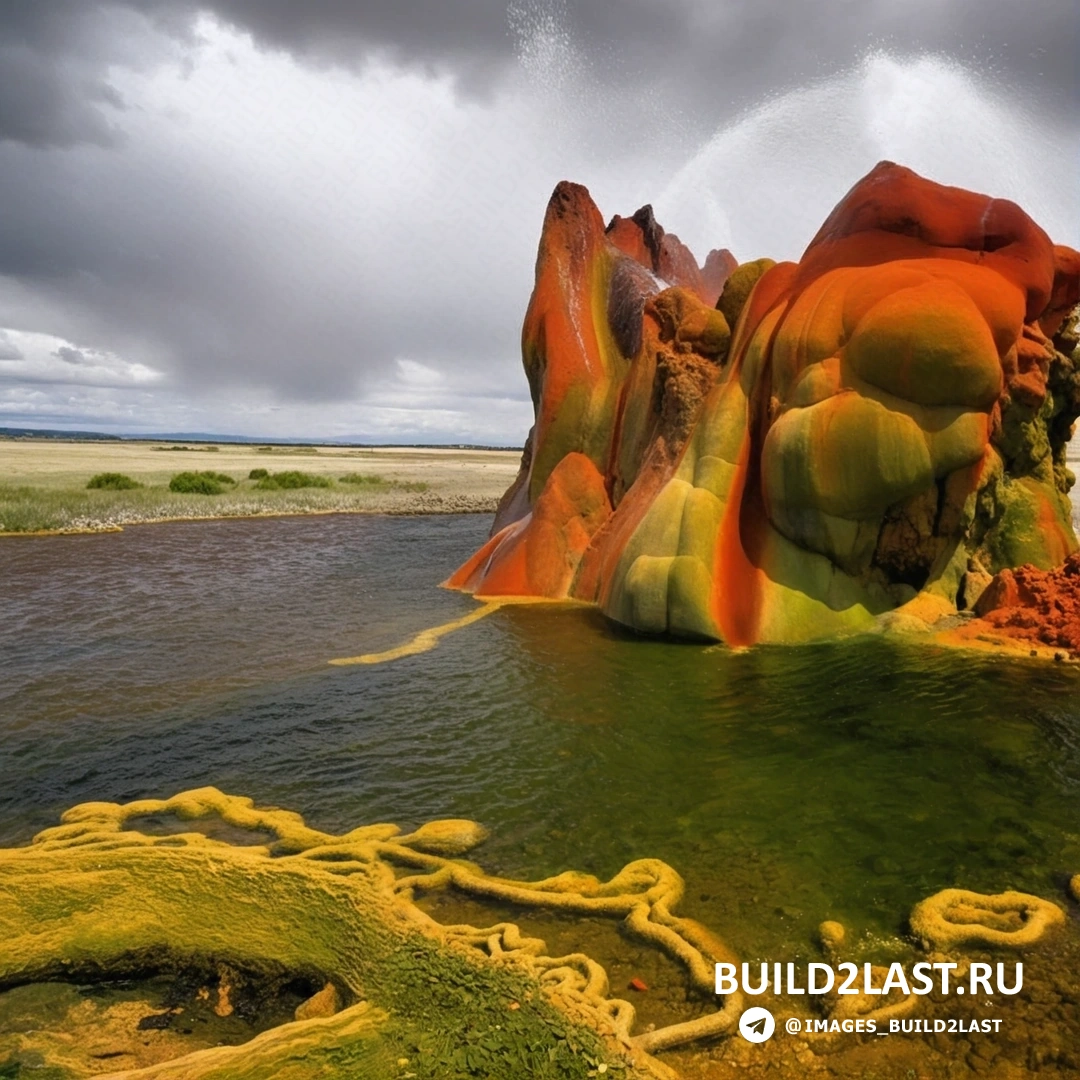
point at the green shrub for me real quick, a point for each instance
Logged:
(199, 483)
(291, 479)
(258, 474)
(113, 481)
(371, 480)
(363, 478)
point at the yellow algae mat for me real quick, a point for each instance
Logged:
(97, 899)
(427, 639)
(423, 641)
(303, 954)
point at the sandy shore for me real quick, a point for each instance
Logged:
(43, 482)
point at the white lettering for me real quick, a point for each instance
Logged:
(980, 976)
(945, 969)
(895, 980)
(762, 986)
(726, 982)
(1018, 975)
(846, 986)
(812, 986)
(926, 984)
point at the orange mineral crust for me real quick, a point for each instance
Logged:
(539, 556)
(780, 452)
(1039, 606)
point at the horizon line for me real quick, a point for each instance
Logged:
(80, 434)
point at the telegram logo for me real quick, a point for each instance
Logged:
(756, 1025)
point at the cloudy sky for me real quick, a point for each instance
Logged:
(319, 219)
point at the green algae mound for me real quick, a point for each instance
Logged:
(96, 899)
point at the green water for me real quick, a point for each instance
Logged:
(787, 785)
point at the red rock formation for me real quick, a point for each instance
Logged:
(719, 265)
(539, 556)
(1040, 606)
(642, 238)
(818, 445)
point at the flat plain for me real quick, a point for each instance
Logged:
(43, 481)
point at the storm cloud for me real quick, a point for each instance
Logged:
(320, 219)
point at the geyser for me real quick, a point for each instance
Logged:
(764, 182)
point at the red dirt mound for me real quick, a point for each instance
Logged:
(1041, 606)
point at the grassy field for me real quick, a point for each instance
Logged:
(43, 482)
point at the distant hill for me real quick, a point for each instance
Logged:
(47, 433)
(209, 437)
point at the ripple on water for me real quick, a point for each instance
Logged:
(787, 785)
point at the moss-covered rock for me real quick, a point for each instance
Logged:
(738, 287)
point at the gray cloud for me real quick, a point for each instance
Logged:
(706, 59)
(55, 60)
(8, 349)
(300, 217)
(710, 55)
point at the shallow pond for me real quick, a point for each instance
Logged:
(787, 785)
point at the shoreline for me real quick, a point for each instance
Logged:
(439, 506)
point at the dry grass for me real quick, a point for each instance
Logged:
(43, 482)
